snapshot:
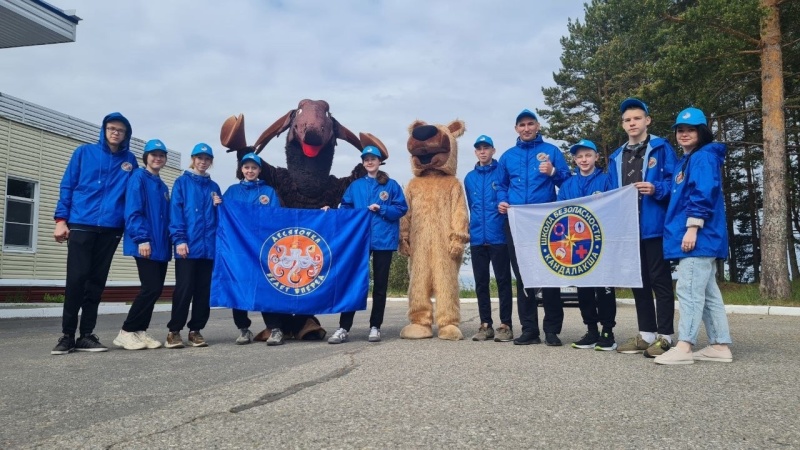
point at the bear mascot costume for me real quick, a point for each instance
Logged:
(435, 231)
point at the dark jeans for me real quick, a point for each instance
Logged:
(381, 263)
(89, 255)
(242, 321)
(151, 275)
(598, 304)
(192, 288)
(656, 277)
(527, 303)
(497, 255)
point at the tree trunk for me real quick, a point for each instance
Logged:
(755, 231)
(774, 274)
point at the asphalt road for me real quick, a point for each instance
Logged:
(396, 393)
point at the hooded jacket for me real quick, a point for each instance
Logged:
(255, 193)
(521, 182)
(147, 216)
(485, 222)
(657, 168)
(579, 185)
(92, 192)
(697, 194)
(384, 223)
(193, 217)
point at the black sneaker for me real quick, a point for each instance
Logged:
(66, 344)
(89, 343)
(606, 342)
(527, 338)
(552, 340)
(587, 341)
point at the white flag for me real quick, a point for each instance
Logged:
(588, 241)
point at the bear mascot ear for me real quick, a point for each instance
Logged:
(457, 128)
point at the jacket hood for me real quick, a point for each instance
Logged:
(488, 168)
(717, 149)
(530, 144)
(115, 116)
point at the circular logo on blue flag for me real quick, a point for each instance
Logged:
(571, 241)
(295, 261)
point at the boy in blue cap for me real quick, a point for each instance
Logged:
(90, 218)
(647, 162)
(597, 304)
(488, 242)
(531, 171)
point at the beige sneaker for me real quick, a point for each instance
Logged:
(659, 347)
(674, 356)
(484, 333)
(196, 339)
(503, 334)
(711, 354)
(148, 340)
(174, 340)
(633, 345)
(129, 341)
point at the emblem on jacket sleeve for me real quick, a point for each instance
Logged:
(263, 199)
(384, 195)
(126, 166)
(652, 162)
(542, 157)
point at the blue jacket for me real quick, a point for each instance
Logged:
(521, 183)
(579, 185)
(485, 222)
(385, 223)
(256, 193)
(193, 216)
(92, 189)
(697, 193)
(147, 216)
(659, 164)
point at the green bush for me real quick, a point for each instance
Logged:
(53, 298)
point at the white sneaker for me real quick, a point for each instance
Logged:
(129, 341)
(148, 340)
(338, 337)
(374, 334)
(245, 336)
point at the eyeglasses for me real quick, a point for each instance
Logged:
(113, 130)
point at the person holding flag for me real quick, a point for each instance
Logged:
(384, 198)
(597, 304)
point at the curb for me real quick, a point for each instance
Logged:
(21, 312)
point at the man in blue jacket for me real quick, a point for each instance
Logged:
(531, 171)
(90, 218)
(647, 162)
(488, 242)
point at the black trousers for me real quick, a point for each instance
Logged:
(151, 275)
(242, 321)
(89, 255)
(192, 288)
(598, 304)
(481, 256)
(656, 277)
(381, 263)
(527, 302)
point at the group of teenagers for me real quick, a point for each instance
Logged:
(681, 218)
(105, 195)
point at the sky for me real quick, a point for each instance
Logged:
(177, 69)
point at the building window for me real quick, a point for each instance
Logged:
(21, 216)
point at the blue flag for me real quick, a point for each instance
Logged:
(296, 261)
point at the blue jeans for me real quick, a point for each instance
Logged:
(701, 300)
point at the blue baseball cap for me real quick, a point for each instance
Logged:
(153, 145)
(371, 150)
(483, 139)
(690, 116)
(202, 149)
(526, 113)
(583, 143)
(633, 103)
(251, 157)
